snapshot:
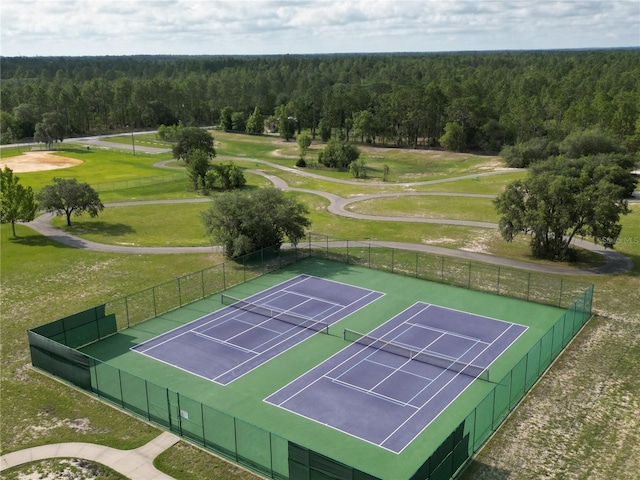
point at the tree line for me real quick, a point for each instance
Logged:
(462, 101)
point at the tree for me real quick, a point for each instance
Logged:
(226, 123)
(523, 154)
(50, 130)
(304, 142)
(191, 139)
(589, 142)
(358, 168)
(68, 196)
(17, 203)
(338, 155)
(364, 126)
(198, 166)
(324, 128)
(26, 119)
(228, 175)
(169, 132)
(244, 222)
(453, 138)
(238, 121)
(555, 206)
(255, 123)
(8, 128)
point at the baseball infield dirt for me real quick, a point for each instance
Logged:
(37, 161)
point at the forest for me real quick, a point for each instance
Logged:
(471, 101)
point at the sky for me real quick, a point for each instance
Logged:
(258, 27)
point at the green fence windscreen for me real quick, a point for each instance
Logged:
(305, 464)
(59, 360)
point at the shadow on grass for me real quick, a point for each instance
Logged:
(477, 469)
(98, 228)
(36, 241)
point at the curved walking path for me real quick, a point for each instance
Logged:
(614, 262)
(135, 464)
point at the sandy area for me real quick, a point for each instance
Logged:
(37, 161)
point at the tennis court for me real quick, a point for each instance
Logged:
(228, 343)
(387, 386)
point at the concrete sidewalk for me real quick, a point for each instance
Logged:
(135, 464)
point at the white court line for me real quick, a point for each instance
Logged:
(376, 394)
(312, 277)
(448, 332)
(453, 399)
(215, 316)
(292, 336)
(399, 368)
(371, 393)
(189, 330)
(419, 408)
(211, 320)
(222, 342)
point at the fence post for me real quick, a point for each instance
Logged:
(528, 286)
(179, 292)
(393, 258)
(169, 410)
(126, 309)
(498, 286)
(560, 297)
(121, 392)
(469, 277)
(204, 439)
(347, 252)
(155, 308)
(146, 392)
(179, 413)
(95, 389)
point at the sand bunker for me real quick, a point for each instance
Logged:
(37, 161)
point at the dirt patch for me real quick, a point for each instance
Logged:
(67, 469)
(37, 161)
(280, 154)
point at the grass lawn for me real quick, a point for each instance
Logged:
(99, 166)
(146, 140)
(580, 421)
(404, 165)
(457, 208)
(174, 225)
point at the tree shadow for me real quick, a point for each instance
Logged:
(99, 228)
(37, 240)
(477, 469)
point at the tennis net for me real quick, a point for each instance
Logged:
(421, 356)
(276, 314)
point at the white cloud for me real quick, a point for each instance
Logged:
(121, 27)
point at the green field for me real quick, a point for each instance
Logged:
(580, 421)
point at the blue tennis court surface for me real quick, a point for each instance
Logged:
(230, 342)
(387, 386)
